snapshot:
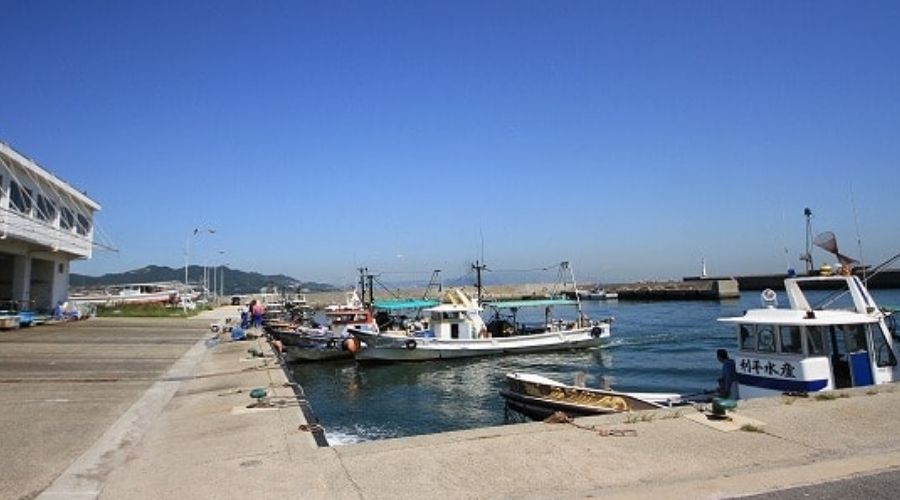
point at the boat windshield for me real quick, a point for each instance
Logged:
(820, 340)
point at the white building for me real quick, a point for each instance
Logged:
(44, 224)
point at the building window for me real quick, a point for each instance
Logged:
(62, 268)
(19, 198)
(66, 219)
(84, 225)
(46, 210)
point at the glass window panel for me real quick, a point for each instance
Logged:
(766, 338)
(814, 340)
(748, 337)
(84, 225)
(790, 339)
(67, 219)
(883, 354)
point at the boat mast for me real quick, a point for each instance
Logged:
(364, 278)
(807, 257)
(478, 267)
(563, 267)
(434, 282)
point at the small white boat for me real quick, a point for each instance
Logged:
(456, 330)
(806, 348)
(597, 294)
(538, 397)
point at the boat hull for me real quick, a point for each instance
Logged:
(295, 354)
(537, 398)
(404, 348)
(309, 345)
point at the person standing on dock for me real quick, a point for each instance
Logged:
(728, 381)
(257, 311)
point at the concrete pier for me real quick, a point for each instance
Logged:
(717, 289)
(150, 409)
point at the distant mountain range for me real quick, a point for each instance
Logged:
(236, 281)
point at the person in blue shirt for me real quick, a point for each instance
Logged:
(728, 381)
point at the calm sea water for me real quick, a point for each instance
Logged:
(655, 346)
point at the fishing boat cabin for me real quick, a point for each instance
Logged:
(844, 340)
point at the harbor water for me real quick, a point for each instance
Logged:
(655, 347)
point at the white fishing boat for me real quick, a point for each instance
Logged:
(456, 330)
(841, 341)
(133, 293)
(308, 343)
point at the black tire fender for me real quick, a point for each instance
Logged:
(596, 332)
(410, 344)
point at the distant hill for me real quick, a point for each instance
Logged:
(236, 281)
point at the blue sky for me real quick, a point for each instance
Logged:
(631, 138)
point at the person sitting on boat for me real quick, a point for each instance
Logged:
(728, 382)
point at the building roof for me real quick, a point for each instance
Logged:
(47, 176)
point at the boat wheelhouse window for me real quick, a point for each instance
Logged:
(884, 356)
(854, 337)
(766, 338)
(748, 337)
(814, 343)
(790, 339)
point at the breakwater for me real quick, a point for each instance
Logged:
(889, 278)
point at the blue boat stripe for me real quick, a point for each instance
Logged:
(778, 384)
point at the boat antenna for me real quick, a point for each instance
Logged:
(858, 235)
(807, 256)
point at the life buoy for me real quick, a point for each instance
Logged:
(351, 344)
(410, 344)
(596, 332)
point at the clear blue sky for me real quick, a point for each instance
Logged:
(631, 138)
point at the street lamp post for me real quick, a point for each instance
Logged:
(222, 279)
(187, 251)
